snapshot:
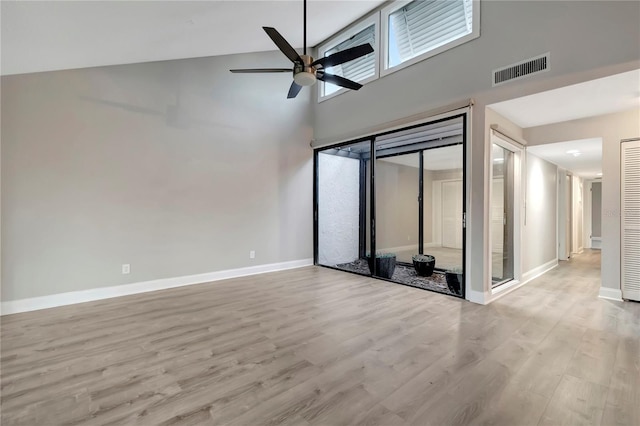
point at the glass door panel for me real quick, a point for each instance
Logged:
(502, 215)
(342, 201)
(397, 192)
(443, 202)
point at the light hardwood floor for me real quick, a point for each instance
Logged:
(318, 346)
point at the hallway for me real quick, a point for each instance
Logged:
(591, 354)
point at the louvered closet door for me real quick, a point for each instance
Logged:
(630, 197)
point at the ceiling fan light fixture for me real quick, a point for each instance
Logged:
(305, 78)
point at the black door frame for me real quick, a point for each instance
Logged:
(419, 148)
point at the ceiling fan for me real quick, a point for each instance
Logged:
(306, 70)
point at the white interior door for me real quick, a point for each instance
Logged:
(452, 214)
(630, 200)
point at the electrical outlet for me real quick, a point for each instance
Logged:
(126, 268)
(252, 254)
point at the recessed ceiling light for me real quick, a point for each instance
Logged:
(574, 152)
(498, 160)
(599, 174)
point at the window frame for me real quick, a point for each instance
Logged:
(384, 29)
(344, 35)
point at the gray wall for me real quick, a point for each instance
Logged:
(93, 178)
(579, 35)
(612, 128)
(539, 244)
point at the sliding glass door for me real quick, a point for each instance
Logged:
(393, 206)
(341, 189)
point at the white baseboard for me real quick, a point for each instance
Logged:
(539, 270)
(503, 290)
(475, 296)
(610, 293)
(596, 243)
(73, 297)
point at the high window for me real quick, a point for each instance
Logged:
(409, 32)
(423, 28)
(361, 70)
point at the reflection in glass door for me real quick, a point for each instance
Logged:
(502, 215)
(397, 192)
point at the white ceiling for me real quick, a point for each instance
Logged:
(587, 165)
(611, 94)
(55, 35)
(445, 158)
(607, 95)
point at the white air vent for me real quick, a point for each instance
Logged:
(521, 69)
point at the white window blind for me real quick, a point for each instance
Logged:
(358, 69)
(424, 25)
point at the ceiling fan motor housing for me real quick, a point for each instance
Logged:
(303, 73)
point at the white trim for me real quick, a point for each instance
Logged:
(587, 220)
(519, 182)
(73, 297)
(504, 135)
(503, 290)
(539, 270)
(475, 296)
(596, 243)
(508, 287)
(610, 294)
(498, 292)
(470, 294)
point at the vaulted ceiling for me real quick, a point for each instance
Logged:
(54, 35)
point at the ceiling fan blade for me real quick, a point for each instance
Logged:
(339, 81)
(294, 90)
(283, 44)
(344, 56)
(256, 70)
